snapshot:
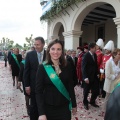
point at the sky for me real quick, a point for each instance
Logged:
(21, 18)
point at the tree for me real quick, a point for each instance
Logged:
(18, 46)
(30, 41)
(6, 43)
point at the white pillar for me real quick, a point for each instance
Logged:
(117, 22)
(71, 39)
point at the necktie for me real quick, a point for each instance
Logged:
(73, 60)
(93, 57)
(39, 57)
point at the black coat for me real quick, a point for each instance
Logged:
(48, 94)
(31, 66)
(113, 106)
(89, 67)
(9, 56)
(14, 65)
(70, 60)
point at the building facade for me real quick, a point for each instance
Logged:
(84, 21)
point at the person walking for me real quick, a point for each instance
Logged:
(90, 76)
(32, 61)
(99, 53)
(109, 48)
(54, 85)
(14, 64)
(20, 80)
(5, 58)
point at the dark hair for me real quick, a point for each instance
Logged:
(91, 45)
(33, 47)
(115, 52)
(62, 57)
(41, 39)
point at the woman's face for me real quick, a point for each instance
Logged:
(55, 51)
(117, 57)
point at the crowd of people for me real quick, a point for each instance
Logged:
(49, 76)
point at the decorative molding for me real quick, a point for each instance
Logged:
(72, 33)
(117, 21)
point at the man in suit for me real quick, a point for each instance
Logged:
(72, 59)
(90, 72)
(33, 59)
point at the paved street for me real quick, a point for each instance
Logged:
(12, 103)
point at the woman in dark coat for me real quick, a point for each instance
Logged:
(53, 79)
(14, 62)
(27, 97)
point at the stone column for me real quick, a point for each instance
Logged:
(71, 39)
(117, 22)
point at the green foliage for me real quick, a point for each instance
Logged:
(18, 46)
(6, 43)
(30, 42)
(58, 6)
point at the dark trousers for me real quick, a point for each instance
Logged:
(5, 63)
(94, 87)
(33, 108)
(102, 92)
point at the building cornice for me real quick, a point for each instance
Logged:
(58, 7)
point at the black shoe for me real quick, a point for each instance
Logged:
(94, 105)
(86, 107)
(28, 112)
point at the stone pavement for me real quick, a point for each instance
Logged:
(12, 103)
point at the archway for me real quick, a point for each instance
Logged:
(87, 16)
(58, 31)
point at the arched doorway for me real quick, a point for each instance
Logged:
(96, 21)
(58, 31)
(99, 24)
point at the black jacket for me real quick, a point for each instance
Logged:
(89, 67)
(69, 59)
(31, 66)
(48, 94)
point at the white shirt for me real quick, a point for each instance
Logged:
(41, 56)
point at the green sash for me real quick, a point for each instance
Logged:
(57, 82)
(116, 86)
(16, 60)
(23, 61)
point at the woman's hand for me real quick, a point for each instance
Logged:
(74, 110)
(42, 117)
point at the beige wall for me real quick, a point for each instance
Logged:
(111, 31)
